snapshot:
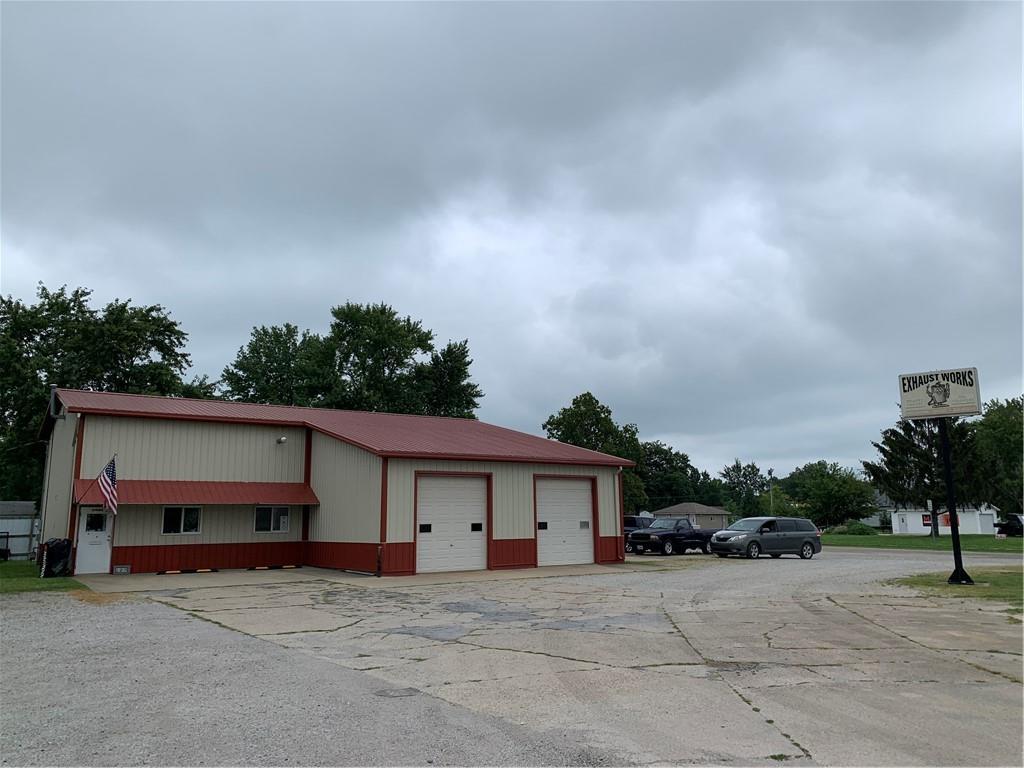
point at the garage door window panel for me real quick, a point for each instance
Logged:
(182, 520)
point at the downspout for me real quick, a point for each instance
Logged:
(383, 515)
(621, 517)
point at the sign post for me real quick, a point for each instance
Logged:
(940, 395)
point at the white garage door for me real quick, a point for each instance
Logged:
(451, 524)
(564, 520)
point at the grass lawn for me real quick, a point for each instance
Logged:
(1005, 584)
(973, 542)
(23, 576)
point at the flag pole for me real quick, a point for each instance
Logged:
(78, 500)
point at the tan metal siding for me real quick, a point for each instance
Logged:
(346, 480)
(60, 466)
(137, 526)
(513, 494)
(165, 449)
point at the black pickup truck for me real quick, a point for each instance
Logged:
(670, 536)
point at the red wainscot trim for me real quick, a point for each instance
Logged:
(611, 549)
(595, 522)
(343, 555)
(512, 553)
(490, 506)
(399, 559)
(180, 557)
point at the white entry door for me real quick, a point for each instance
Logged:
(564, 520)
(94, 538)
(451, 524)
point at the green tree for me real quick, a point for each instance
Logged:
(1000, 443)
(374, 358)
(62, 340)
(909, 467)
(708, 490)
(667, 475)
(829, 494)
(588, 423)
(778, 502)
(443, 384)
(371, 360)
(743, 483)
(276, 366)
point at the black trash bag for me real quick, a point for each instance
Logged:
(56, 558)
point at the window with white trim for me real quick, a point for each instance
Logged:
(182, 520)
(271, 520)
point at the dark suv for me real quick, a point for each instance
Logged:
(632, 523)
(1013, 525)
(775, 536)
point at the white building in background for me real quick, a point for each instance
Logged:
(919, 521)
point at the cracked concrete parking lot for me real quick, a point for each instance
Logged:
(689, 660)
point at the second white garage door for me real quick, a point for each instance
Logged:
(451, 524)
(564, 520)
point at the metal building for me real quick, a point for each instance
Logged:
(215, 484)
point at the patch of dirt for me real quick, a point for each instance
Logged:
(99, 598)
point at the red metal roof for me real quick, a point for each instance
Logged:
(384, 434)
(197, 492)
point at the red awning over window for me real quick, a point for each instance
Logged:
(197, 492)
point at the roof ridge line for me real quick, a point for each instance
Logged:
(266, 405)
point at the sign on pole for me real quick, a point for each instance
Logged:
(940, 394)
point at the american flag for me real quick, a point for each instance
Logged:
(108, 484)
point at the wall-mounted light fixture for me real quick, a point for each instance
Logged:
(282, 440)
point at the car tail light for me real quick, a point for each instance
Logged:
(817, 532)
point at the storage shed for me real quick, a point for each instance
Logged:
(216, 484)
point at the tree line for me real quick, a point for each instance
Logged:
(370, 359)
(987, 459)
(373, 359)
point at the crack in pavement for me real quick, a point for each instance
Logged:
(734, 689)
(941, 652)
(307, 631)
(767, 633)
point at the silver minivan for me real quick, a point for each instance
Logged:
(776, 536)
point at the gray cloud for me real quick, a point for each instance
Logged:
(734, 223)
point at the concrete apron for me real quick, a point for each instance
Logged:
(654, 663)
(152, 582)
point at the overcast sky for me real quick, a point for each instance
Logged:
(734, 224)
